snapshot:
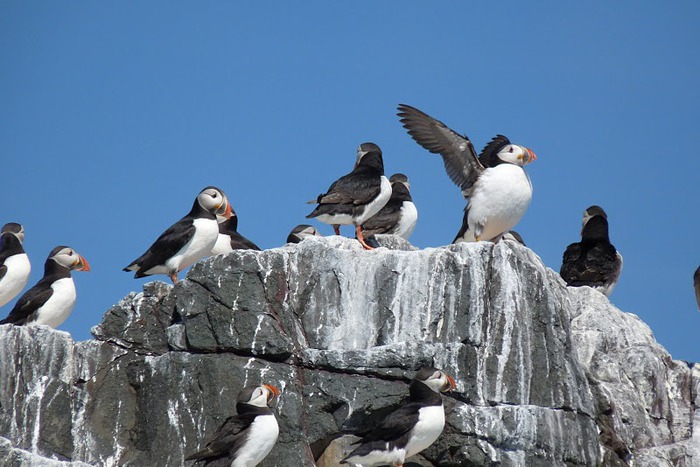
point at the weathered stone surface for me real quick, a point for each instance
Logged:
(546, 375)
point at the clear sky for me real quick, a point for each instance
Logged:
(113, 116)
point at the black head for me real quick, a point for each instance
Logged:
(591, 212)
(15, 229)
(398, 178)
(595, 229)
(372, 154)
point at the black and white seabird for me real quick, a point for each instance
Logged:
(399, 215)
(229, 239)
(513, 236)
(244, 439)
(14, 262)
(498, 189)
(301, 231)
(593, 261)
(696, 280)
(411, 428)
(357, 196)
(52, 299)
(188, 240)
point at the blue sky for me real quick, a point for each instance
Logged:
(113, 116)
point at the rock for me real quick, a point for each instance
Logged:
(546, 375)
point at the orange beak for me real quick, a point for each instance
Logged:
(82, 264)
(532, 155)
(450, 385)
(228, 211)
(274, 392)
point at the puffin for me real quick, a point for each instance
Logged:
(229, 239)
(513, 236)
(411, 428)
(52, 299)
(357, 196)
(399, 215)
(244, 440)
(593, 261)
(14, 262)
(186, 241)
(301, 231)
(499, 191)
(696, 280)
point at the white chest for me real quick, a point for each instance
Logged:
(59, 306)
(200, 245)
(377, 203)
(431, 421)
(409, 218)
(16, 277)
(222, 245)
(262, 437)
(500, 198)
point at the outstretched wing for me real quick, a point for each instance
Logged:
(457, 151)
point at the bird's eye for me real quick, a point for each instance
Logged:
(510, 149)
(70, 253)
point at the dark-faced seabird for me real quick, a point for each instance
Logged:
(244, 440)
(357, 196)
(399, 215)
(593, 261)
(229, 239)
(52, 299)
(14, 262)
(498, 189)
(188, 240)
(411, 428)
(301, 231)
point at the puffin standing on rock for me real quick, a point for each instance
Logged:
(593, 261)
(498, 189)
(52, 299)
(244, 440)
(188, 240)
(399, 216)
(14, 263)
(411, 428)
(357, 196)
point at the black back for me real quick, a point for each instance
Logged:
(389, 216)
(238, 242)
(593, 261)
(37, 296)
(170, 241)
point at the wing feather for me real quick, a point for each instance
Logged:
(457, 151)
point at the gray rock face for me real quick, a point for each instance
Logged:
(546, 375)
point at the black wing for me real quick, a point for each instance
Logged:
(589, 264)
(239, 242)
(393, 429)
(385, 220)
(32, 300)
(457, 151)
(353, 188)
(3, 271)
(165, 247)
(227, 439)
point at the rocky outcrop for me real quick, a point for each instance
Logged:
(546, 375)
